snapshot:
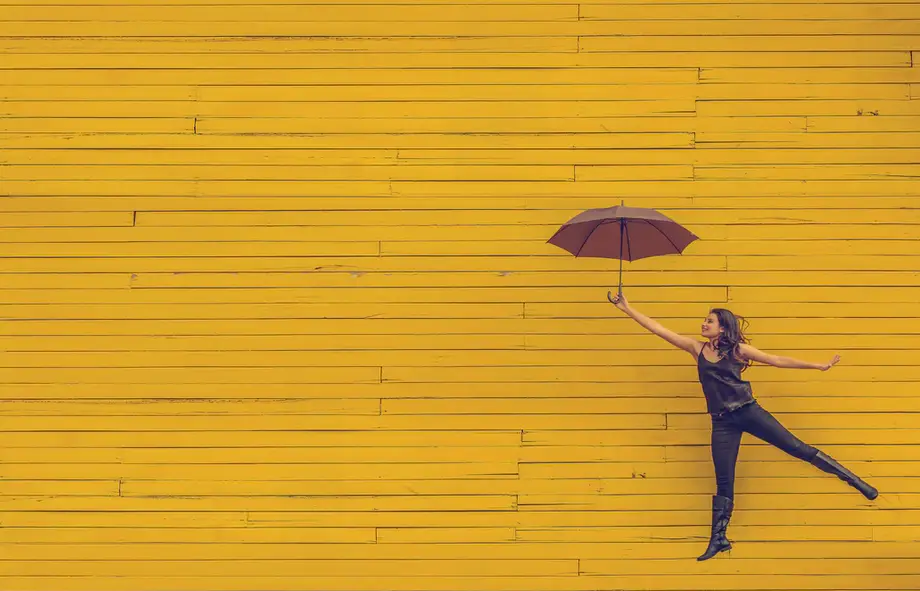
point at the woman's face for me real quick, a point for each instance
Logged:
(711, 328)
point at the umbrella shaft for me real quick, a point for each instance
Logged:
(622, 228)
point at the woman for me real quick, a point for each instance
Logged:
(730, 402)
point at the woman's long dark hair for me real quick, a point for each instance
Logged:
(733, 335)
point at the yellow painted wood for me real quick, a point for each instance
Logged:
(279, 310)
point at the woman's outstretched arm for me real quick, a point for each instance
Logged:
(689, 345)
(787, 362)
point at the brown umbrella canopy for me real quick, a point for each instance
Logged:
(620, 232)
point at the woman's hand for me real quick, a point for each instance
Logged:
(832, 363)
(619, 301)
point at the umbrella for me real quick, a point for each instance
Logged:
(622, 232)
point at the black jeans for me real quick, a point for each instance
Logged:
(726, 439)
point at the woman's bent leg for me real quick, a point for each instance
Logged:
(761, 424)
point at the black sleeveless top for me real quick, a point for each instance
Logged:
(722, 384)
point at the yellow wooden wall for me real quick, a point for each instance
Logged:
(278, 312)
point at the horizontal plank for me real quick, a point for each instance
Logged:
(601, 373)
(563, 25)
(572, 405)
(320, 173)
(766, 469)
(547, 217)
(625, 552)
(779, 108)
(750, 42)
(225, 375)
(671, 123)
(300, 472)
(330, 537)
(781, 393)
(289, 362)
(315, 439)
(410, 406)
(294, 11)
(462, 583)
(893, 123)
(284, 568)
(75, 219)
(357, 422)
(279, 73)
(803, 11)
(250, 311)
(444, 535)
(492, 235)
(109, 53)
(638, 295)
(812, 139)
(98, 125)
(269, 160)
(809, 75)
(306, 406)
(558, 136)
(278, 455)
(373, 113)
(407, 503)
(535, 44)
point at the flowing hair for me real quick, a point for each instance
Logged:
(733, 335)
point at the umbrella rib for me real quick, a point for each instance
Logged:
(668, 238)
(628, 245)
(588, 237)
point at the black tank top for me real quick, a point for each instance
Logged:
(722, 384)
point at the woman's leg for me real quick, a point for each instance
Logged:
(726, 439)
(761, 424)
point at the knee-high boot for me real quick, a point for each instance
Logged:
(721, 515)
(831, 466)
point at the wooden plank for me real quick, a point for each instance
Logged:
(779, 108)
(380, 172)
(515, 279)
(316, 375)
(535, 44)
(750, 42)
(467, 551)
(777, 393)
(809, 75)
(751, 10)
(279, 73)
(670, 124)
(344, 112)
(330, 537)
(593, 91)
(91, 219)
(407, 503)
(512, 216)
(614, 374)
(109, 53)
(306, 406)
(894, 123)
(865, 140)
(562, 138)
(277, 311)
(209, 12)
(327, 422)
(282, 568)
(383, 295)
(97, 125)
(299, 472)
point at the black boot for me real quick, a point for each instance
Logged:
(721, 515)
(828, 464)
